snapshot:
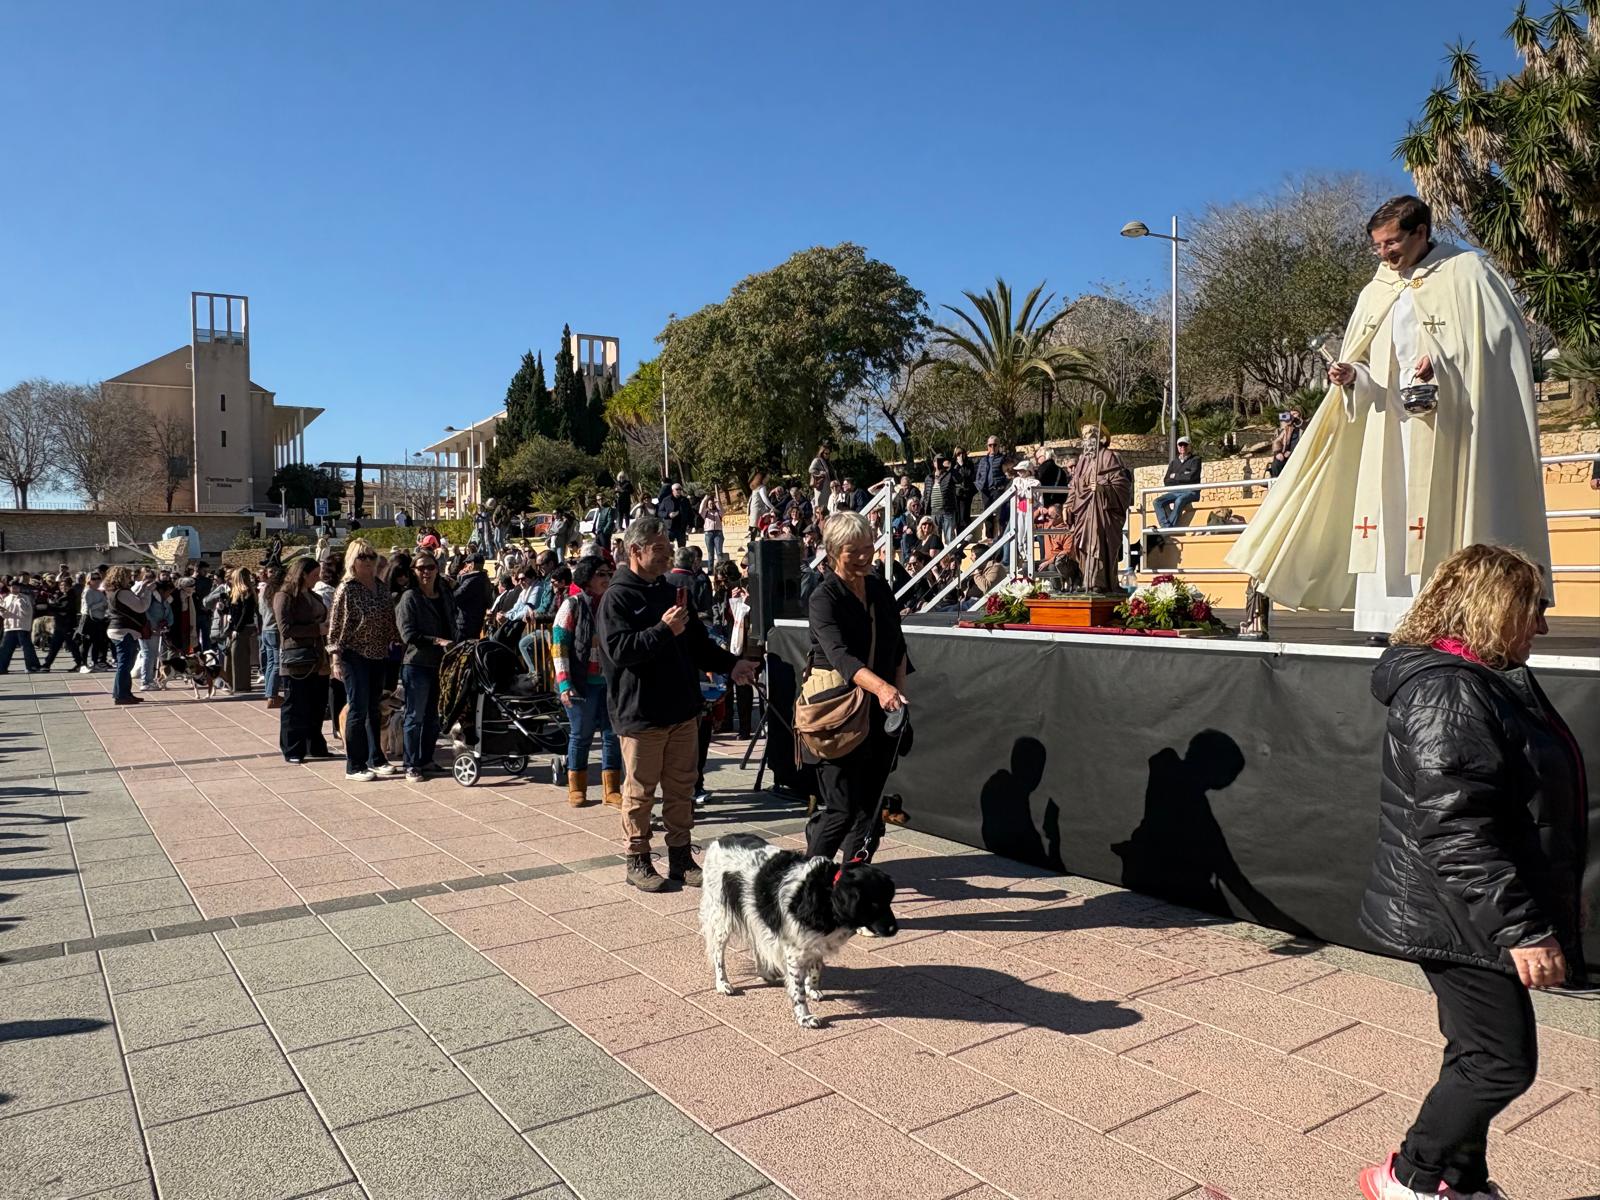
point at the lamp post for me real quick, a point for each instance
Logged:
(1136, 229)
(666, 470)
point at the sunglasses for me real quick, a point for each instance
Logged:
(366, 558)
(426, 567)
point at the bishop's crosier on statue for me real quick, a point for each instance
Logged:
(1386, 483)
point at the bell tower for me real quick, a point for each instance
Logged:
(224, 479)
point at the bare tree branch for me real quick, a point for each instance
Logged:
(28, 451)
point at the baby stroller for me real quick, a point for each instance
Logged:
(505, 720)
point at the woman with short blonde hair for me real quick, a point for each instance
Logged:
(361, 629)
(1477, 876)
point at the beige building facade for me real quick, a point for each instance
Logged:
(242, 435)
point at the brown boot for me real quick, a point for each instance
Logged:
(682, 867)
(578, 788)
(611, 787)
(642, 874)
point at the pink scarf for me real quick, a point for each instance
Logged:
(1459, 648)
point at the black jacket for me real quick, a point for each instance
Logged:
(841, 628)
(419, 622)
(652, 675)
(1183, 471)
(1482, 823)
(473, 595)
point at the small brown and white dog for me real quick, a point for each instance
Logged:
(202, 669)
(790, 910)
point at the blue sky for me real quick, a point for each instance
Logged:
(412, 194)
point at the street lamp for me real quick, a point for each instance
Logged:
(1138, 229)
(666, 470)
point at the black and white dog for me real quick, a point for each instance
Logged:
(792, 912)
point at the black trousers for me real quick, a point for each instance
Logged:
(851, 791)
(1490, 1057)
(300, 719)
(63, 634)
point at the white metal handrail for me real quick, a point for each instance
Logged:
(958, 543)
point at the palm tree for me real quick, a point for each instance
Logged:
(1009, 354)
(1516, 164)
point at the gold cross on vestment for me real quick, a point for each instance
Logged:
(1433, 325)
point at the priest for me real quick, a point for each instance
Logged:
(1426, 442)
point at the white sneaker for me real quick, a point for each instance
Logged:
(385, 771)
(360, 776)
(414, 777)
(85, 669)
(1379, 1183)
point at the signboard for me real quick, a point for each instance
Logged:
(320, 506)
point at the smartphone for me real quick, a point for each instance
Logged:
(683, 597)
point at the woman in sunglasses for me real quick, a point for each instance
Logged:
(426, 616)
(361, 628)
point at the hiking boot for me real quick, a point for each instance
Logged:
(642, 874)
(682, 867)
(611, 788)
(578, 788)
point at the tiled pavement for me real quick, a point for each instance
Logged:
(552, 1033)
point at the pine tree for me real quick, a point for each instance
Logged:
(571, 397)
(604, 389)
(546, 412)
(519, 421)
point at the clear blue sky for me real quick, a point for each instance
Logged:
(413, 193)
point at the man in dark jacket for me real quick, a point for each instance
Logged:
(473, 595)
(674, 508)
(989, 481)
(1183, 473)
(653, 650)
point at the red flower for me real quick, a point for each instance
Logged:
(1160, 579)
(992, 605)
(1138, 608)
(1201, 610)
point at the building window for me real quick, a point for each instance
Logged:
(224, 439)
(224, 401)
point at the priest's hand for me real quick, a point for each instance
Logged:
(1342, 374)
(1423, 371)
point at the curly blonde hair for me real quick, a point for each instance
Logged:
(1488, 597)
(116, 579)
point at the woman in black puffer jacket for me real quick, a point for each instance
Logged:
(1481, 844)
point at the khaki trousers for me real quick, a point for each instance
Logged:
(669, 757)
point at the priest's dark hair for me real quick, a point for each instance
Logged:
(1407, 210)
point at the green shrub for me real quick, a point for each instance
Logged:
(394, 537)
(245, 540)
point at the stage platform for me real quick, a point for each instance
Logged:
(1236, 777)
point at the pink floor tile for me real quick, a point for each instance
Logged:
(963, 963)
(1406, 1010)
(899, 1080)
(455, 901)
(1032, 1152)
(423, 868)
(306, 845)
(828, 1149)
(761, 1011)
(666, 903)
(563, 893)
(393, 845)
(251, 895)
(1114, 967)
(360, 885)
(1571, 1126)
(1066, 1004)
(1242, 1154)
(481, 847)
(181, 849)
(504, 924)
(680, 964)
(721, 1077)
(614, 926)
(235, 868)
(1524, 1168)
(1285, 973)
(939, 1016)
(1388, 1061)
(301, 873)
(1250, 1012)
(1092, 1085)
(514, 862)
(1290, 1091)
(574, 847)
(628, 1012)
(1570, 1060)
(352, 828)
(555, 964)
(531, 826)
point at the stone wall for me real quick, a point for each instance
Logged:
(45, 529)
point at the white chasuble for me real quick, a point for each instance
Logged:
(1421, 486)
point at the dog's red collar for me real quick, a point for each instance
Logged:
(853, 862)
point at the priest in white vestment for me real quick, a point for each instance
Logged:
(1374, 497)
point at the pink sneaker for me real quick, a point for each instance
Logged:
(1379, 1183)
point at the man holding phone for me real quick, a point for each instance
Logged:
(653, 649)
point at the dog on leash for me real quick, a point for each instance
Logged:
(790, 910)
(202, 669)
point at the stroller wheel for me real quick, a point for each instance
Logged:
(466, 770)
(558, 771)
(515, 764)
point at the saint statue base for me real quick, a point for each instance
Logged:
(1073, 611)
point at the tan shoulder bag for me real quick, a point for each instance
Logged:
(832, 715)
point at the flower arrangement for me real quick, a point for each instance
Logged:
(1166, 602)
(1007, 604)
